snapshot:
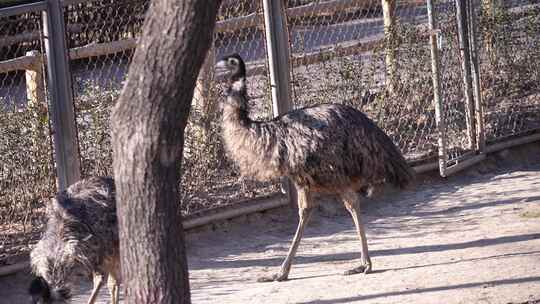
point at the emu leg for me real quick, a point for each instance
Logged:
(305, 209)
(305, 215)
(112, 284)
(352, 203)
(98, 282)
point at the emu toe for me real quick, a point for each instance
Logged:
(365, 269)
(273, 278)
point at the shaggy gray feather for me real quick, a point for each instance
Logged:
(326, 148)
(81, 234)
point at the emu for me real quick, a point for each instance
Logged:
(327, 148)
(81, 237)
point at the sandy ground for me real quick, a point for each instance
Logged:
(472, 239)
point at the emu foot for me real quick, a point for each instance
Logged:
(365, 269)
(277, 277)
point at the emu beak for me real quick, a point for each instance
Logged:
(221, 68)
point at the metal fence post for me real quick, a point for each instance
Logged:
(478, 106)
(436, 79)
(462, 25)
(277, 45)
(66, 148)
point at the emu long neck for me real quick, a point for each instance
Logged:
(236, 109)
(250, 143)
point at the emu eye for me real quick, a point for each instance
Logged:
(233, 61)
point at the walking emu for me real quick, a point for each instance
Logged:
(81, 237)
(328, 148)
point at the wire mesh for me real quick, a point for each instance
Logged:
(26, 172)
(211, 179)
(339, 52)
(455, 107)
(509, 44)
(103, 34)
(339, 55)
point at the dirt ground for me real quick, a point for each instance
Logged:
(471, 239)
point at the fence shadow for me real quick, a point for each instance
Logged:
(426, 290)
(276, 261)
(383, 219)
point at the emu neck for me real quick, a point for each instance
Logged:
(250, 143)
(235, 108)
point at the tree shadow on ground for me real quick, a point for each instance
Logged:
(275, 261)
(384, 217)
(425, 290)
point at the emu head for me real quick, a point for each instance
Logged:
(41, 292)
(231, 66)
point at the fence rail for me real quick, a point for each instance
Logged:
(345, 51)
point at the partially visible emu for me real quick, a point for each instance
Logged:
(328, 148)
(81, 236)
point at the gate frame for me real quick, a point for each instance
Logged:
(471, 79)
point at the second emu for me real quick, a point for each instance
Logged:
(328, 148)
(81, 236)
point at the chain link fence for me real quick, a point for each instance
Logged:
(339, 50)
(26, 171)
(455, 111)
(342, 51)
(509, 44)
(101, 36)
(340, 54)
(209, 178)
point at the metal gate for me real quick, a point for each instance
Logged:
(456, 83)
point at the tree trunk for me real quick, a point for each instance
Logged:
(204, 97)
(148, 124)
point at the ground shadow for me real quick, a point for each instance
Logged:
(394, 210)
(299, 259)
(425, 290)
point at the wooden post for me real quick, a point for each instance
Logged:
(463, 34)
(35, 92)
(437, 96)
(66, 149)
(277, 46)
(478, 106)
(489, 8)
(389, 10)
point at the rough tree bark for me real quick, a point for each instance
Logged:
(148, 124)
